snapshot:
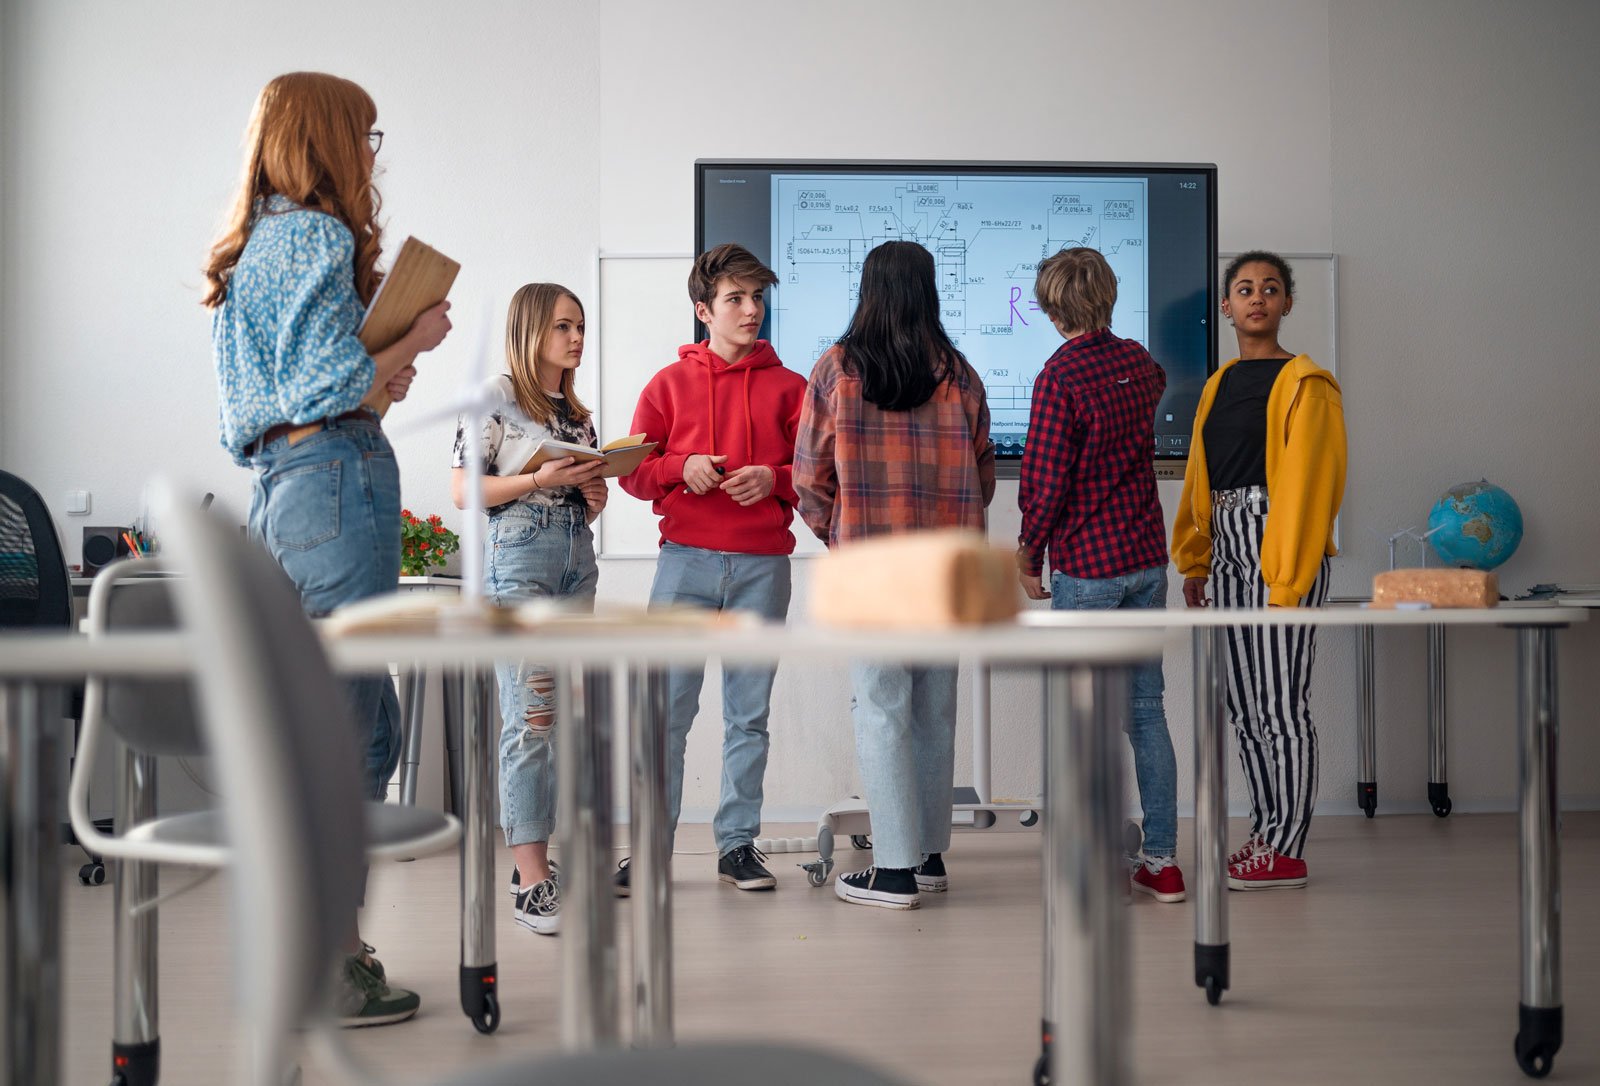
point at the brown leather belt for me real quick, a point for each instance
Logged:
(298, 432)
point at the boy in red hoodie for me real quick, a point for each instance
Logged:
(724, 417)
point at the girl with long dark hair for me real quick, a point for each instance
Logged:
(894, 437)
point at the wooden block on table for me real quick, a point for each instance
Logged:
(1436, 588)
(916, 581)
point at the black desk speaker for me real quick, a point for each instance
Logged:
(101, 547)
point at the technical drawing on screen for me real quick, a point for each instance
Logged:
(988, 226)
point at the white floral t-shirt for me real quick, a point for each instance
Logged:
(509, 438)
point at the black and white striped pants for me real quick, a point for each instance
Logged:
(1268, 682)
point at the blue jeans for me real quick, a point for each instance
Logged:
(723, 581)
(1153, 761)
(534, 552)
(328, 509)
(905, 720)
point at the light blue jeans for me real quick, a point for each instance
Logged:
(723, 581)
(329, 511)
(1153, 761)
(534, 552)
(905, 720)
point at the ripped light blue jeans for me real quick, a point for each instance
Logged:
(534, 552)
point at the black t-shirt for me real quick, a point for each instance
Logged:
(1235, 433)
(563, 424)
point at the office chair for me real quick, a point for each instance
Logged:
(36, 591)
(289, 770)
(164, 717)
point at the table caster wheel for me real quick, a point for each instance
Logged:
(92, 874)
(862, 841)
(487, 1020)
(1538, 1039)
(1367, 797)
(1439, 798)
(1213, 991)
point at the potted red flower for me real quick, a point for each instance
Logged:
(424, 544)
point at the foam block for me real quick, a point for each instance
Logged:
(915, 581)
(1436, 588)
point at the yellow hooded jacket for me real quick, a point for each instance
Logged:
(1305, 482)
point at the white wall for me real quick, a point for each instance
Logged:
(523, 137)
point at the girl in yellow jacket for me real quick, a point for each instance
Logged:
(1264, 483)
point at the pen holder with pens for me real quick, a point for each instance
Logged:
(104, 545)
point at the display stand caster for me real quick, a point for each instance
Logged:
(1439, 797)
(1538, 1039)
(862, 841)
(478, 997)
(817, 872)
(1367, 797)
(136, 1064)
(92, 874)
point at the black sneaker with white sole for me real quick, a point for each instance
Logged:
(538, 908)
(885, 887)
(516, 877)
(931, 878)
(742, 867)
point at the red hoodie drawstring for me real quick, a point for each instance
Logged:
(711, 410)
(749, 426)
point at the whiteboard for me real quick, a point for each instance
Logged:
(644, 317)
(1312, 326)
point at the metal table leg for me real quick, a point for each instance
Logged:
(1366, 722)
(1048, 871)
(30, 886)
(652, 856)
(583, 827)
(450, 683)
(136, 1003)
(1539, 846)
(1085, 709)
(1210, 818)
(413, 696)
(1438, 777)
(478, 996)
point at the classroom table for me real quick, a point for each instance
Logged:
(1539, 1011)
(1086, 699)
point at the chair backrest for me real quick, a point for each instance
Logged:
(35, 588)
(277, 726)
(151, 716)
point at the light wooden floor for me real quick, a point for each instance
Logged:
(1397, 965)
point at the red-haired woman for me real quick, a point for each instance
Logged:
(287, 284)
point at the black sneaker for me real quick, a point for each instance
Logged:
(885, 887)
(539, 907)
(931, 877)
(621, 880)
(742, 867)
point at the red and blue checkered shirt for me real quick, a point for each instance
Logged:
(1088, 489)
(861, 471)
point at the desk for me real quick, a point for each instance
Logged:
(1539, 1018)
(1087, 692)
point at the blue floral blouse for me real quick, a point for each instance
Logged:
(284, 339)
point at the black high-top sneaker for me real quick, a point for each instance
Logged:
(931, 878)
(885, 887)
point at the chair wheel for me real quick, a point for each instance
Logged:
(92, 874)
(487, 1020)
(1213, 991)
(862, 841)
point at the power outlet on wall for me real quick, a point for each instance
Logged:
(77, 503)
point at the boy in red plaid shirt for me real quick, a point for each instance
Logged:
(1088, 496)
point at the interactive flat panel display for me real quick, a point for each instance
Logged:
(988, 225)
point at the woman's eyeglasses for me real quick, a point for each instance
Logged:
(375, 138)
